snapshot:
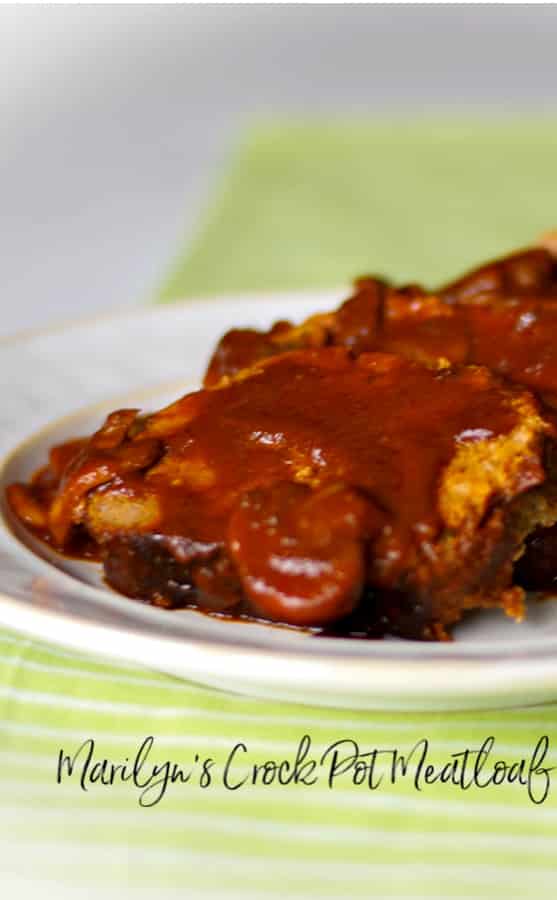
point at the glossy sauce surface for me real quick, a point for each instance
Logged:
(381, 424)
(502, 315)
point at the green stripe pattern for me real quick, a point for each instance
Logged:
(259, 840)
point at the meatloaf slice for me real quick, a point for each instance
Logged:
(315, 485)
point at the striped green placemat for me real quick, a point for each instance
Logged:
(314, 205)
(303, 206)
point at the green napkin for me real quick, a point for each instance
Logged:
(304, 206)
(314, 205)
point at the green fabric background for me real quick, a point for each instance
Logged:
(305, 205)
(314, 205)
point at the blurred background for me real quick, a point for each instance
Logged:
(116, 120)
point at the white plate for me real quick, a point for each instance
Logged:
(146, 359)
